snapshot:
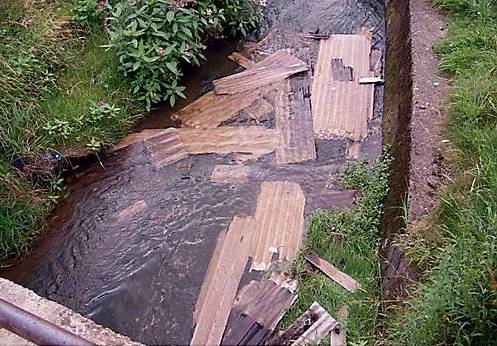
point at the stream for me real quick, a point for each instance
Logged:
(130, 244)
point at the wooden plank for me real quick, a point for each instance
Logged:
(294, 119)
(272, 69)
(241, 60)
(249, 139)
(333, 273)
(219, 290)
(278, 224)
(308, 329)
(210, 110)
(342, 108)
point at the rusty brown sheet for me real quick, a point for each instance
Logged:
(221, 283)
(230, 174)
(272, 69)
(294, 120)
(250, 139)
(166, 147)
(241, 60)
(333, 273)
(278, 224)
(258, 308)
(135, 138)
(342, 108)
(210, 110)
(259, 108)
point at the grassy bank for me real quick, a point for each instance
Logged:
(350, 240)
(457, 252)
(59, 92)
(74, 77)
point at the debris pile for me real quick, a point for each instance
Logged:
(332, 98)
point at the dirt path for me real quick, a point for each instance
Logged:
(428, 115)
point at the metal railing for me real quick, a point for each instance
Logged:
(36, 329)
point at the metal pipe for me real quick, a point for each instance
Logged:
(34, 328)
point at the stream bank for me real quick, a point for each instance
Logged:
(131, 244)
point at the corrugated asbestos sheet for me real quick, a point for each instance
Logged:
(136, 138)
(342, 108)
(274, 68)
(230, 174)
(210, 110)
(278, 224)
(309, 329)
(221, 283)
(166, 147)
(249, 139)
(258, 308)
(294, 119)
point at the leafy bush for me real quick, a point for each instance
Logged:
(153, 38)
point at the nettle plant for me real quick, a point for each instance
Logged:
(153, 39)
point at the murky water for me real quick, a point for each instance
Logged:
(140, 274)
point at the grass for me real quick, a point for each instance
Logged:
(59, 91)
(350, 240)
(457, 301)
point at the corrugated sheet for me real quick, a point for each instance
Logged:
(258, 308)
(166, 147)
(308, 329)
(294, 120)
(274, 68)
(250, 139)
(278, 223)
(221, 283)
(259, 108)
(342, 108)
(210, 110)
(230, 174)
(136, 138)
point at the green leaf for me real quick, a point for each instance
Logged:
(172, 67)
(170, 16)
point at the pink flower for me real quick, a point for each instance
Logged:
(102, 104)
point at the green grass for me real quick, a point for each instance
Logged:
(350, 240)
(59, 90)
(457, 302)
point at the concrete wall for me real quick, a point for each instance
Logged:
(56, 314)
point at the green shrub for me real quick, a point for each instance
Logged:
(154, 38)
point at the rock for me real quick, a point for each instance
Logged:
(436, 84)
(433, 181)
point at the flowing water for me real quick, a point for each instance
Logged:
(130, 244)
